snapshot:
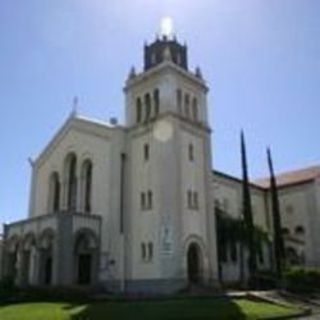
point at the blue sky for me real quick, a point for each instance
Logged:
(261, 59)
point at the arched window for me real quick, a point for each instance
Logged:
(71, 181)
(189, 199)
(150, 199)
(187, 105)
(138, 110)
(191, 152)
(156, 98)
(195, 109)
(285, 231)
(86, 185)
(150, 251)
(143, 201)
(179, 101)
(299, 230)
(54, 193)
(143, 251)
(146, 152)
(147, 102)
(195, 200)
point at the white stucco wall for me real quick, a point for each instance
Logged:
(298, 205)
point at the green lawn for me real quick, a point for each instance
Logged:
(39, 311)
(200, 309)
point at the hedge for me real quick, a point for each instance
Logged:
(302, 280)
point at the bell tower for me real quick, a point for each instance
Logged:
(165, 85)
(169, 158)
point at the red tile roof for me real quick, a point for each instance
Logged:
(292, 177)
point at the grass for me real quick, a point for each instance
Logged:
(39, 311)
(184, 309)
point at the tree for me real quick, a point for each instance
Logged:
(247, 214)
(278, 245)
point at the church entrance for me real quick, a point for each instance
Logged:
(48, 270)
(85, 257)
(194, 263)
(84, 269)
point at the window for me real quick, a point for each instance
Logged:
(147, 251)
(143, 251)
(191, 152)
(179, 101)
(189, 196)
(150, 251)
(146, 200)
(195, 109)
(54, 193)
(138, 110)
(156, 99)
(299, 230)
(187, 105)
(195, 200)
(71, 181)
(192, 199)
(143, 200)
(150, 200)
(146, 150)
(86, 185)
(147, 102)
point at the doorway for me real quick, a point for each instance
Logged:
(48, 270)
(194, 263)
(84, 269)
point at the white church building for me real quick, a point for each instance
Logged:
(133, 207)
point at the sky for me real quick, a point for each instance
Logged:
(260, 58)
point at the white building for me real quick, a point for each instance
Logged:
(132, 207)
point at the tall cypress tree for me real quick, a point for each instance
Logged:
(247, 214)
(278, 246)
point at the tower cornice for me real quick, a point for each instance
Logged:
(163, 68)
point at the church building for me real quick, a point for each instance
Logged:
(133, 208)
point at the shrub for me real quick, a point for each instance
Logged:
(7, 287)
(302, 280)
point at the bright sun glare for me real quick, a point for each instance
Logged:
(166, 27)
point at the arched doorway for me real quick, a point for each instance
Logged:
(86, 252)
(194, 263)
(27, 263)
(12, 249)
(46, 246)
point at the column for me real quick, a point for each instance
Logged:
(55, 277)
(62, 267)
(19, 268)
(34, 277)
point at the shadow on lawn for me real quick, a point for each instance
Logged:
(182, 309)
